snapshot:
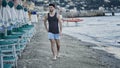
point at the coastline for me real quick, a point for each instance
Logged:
(90, 31)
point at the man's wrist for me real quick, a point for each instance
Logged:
(60, 31)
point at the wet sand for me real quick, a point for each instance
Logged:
(74, 53)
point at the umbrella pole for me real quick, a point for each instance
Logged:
(5, 30)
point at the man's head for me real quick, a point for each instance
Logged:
(51, 7)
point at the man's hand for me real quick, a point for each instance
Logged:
(60, 33)
(47, 30)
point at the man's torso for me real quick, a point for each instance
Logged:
(53, 23)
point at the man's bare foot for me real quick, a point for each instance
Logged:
(54, 58)
(58, 56)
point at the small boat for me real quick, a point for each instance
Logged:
(72, 20)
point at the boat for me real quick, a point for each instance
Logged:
(72, 20)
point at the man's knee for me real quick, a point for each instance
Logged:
(52, 41)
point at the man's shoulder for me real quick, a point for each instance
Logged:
(57, 14)
(46, 15)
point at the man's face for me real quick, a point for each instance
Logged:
(51, 8)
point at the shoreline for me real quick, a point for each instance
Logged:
(101, 49)
(98, 46)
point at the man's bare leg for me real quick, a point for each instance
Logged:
(53, 48)
(58, 46)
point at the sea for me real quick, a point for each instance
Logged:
(103, 30)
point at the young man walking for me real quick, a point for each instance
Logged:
(54, 29)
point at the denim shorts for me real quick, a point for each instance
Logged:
(53, 36)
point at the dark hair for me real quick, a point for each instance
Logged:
(52, 5)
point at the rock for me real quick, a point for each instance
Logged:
(118, 42)
(118, 24)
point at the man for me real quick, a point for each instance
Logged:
(54, 29)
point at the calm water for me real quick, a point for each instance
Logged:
(101, 30)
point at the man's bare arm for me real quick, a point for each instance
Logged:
(60, 23)
(45, 22)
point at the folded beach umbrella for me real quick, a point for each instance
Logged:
(5, 15)
(26, 14)
(1, 24)
(22, 15)
(12, 12)
(26, 17)
(19, 14)
(34, 17)
(0, 18)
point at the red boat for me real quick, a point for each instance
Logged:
(72, 20)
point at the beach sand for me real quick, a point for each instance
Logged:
(74, 53)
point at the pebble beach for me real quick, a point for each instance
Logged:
(74, 53)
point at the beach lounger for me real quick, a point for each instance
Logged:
(4, 65)
(8, 52)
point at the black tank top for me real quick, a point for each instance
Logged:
(53, 24)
